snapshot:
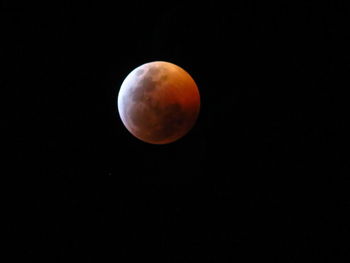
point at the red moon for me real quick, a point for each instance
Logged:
(158, 102)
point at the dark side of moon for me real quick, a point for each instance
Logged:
(170, 118)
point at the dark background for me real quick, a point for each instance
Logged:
(263, 175)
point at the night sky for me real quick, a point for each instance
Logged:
(263, 175)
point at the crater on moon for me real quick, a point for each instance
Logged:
(146, 85)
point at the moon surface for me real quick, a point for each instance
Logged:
(158, 102)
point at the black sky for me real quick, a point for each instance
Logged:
(263, 176)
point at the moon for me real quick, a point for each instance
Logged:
(158, 102)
